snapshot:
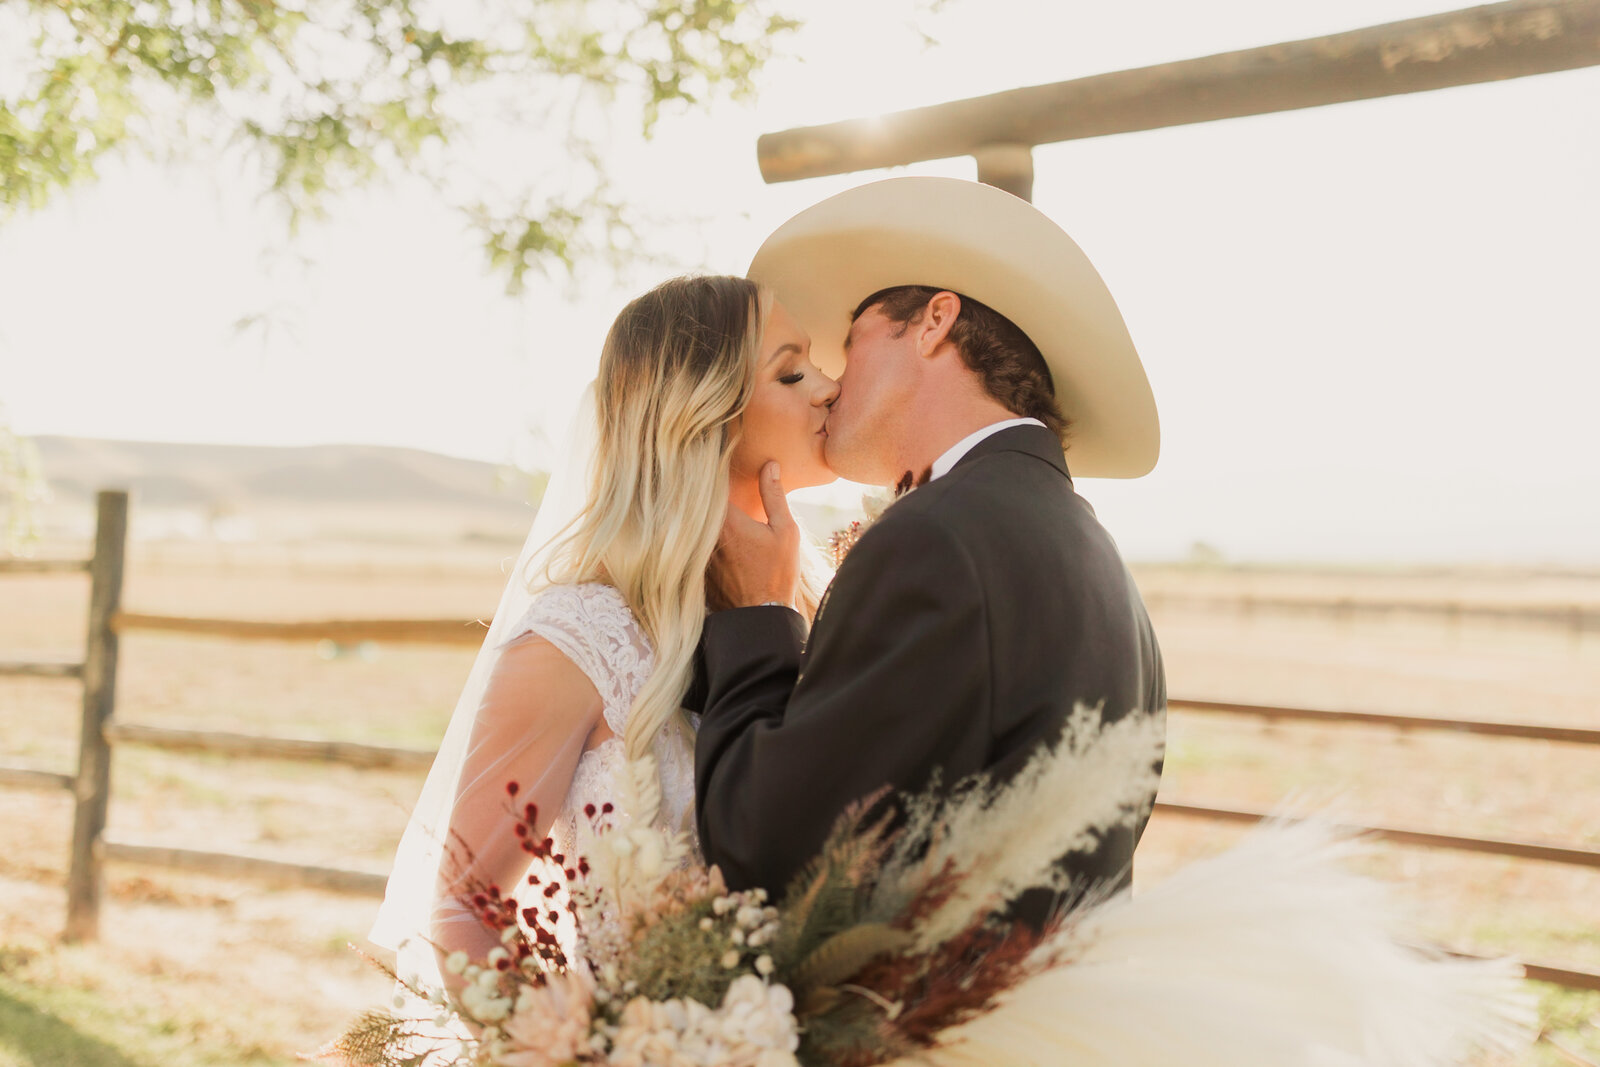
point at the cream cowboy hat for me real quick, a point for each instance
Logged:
(975, 240)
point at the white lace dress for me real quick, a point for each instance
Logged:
(593, 627)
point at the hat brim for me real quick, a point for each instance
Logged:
(998, 249)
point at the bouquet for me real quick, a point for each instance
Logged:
(892, 946)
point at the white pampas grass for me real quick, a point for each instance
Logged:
(627, 854)
(1271, 954)
(1003, 840)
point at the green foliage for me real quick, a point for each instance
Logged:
(334, 94)
(675, 957)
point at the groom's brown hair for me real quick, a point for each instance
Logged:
(992, 346)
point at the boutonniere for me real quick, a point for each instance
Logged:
(874, 504)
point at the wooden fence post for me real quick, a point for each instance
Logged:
(1006, 166)
(93, 786)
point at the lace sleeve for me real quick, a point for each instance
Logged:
(592, 626)
(535, 717)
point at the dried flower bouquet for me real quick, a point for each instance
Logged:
(889, 947)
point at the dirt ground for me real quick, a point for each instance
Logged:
(212, 971)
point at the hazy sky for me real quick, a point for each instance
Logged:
(1371, 328)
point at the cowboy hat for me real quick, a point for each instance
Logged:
(995, 248)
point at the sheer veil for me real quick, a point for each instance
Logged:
(403, 919)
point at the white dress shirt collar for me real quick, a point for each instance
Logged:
(942, 465)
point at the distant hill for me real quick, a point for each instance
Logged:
(235, 479)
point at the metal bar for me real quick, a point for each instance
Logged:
(43, 566)
(1529, 850)
(62, 668)
(93, 786)
(288, 748)
(370, 883)
(1572, 734)
(1480, 44)
(28, 778)
(349, 631)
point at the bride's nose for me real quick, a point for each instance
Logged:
(828, 393)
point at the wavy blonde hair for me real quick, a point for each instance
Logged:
(676, 372)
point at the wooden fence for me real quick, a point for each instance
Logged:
(100, 733)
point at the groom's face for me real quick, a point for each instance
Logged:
(875, 394)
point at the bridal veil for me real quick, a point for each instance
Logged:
(404, 919)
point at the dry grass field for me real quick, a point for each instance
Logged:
(204, 971)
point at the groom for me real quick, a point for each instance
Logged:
(966, 623)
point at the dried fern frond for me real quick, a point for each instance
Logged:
(827, 895)
(844, 954)
(375, 1038)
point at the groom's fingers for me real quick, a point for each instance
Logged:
(774, 501)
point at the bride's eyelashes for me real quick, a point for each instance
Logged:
(792, 379)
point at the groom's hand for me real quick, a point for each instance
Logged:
(760, 561)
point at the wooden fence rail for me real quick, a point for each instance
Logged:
(1505, 40)
(100, 732)
(347, 631)
(1423, 723)
(57, 668)
(287, 748)
(1579, 618)
(43, 566)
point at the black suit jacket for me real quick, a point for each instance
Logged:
(957, 635)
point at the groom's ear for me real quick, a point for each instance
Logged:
(938, 319)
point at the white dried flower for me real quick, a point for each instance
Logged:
(764, 965)
(552, 1025)
(484, 1005)
(456, 962)
(707, 924)
(730, 959)
(737, 937)
(754, 1027)
(497, 954)
(748, 916)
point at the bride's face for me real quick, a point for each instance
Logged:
(786, 419)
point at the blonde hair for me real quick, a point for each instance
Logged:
(676, 372)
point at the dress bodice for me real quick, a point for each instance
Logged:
(592, 626)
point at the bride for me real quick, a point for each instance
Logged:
(702, 381)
